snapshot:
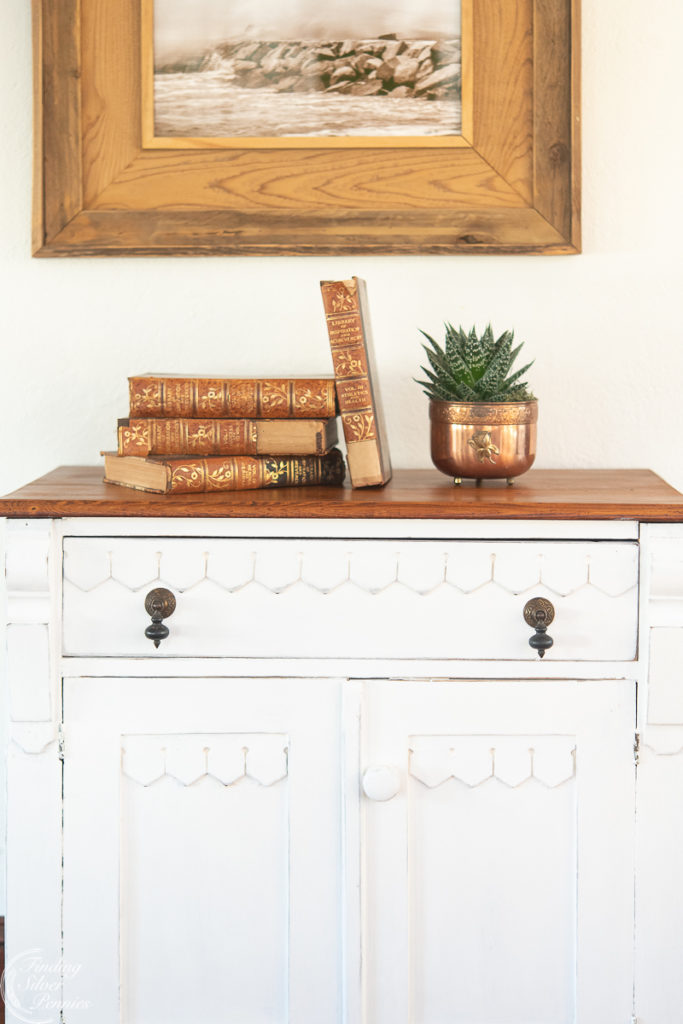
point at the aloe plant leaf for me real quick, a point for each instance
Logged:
(509, 381)
(453, 369)
(433, 378)
(475, 354)
(452, 341)
(498, 366)
(428, 337)
(487, 341)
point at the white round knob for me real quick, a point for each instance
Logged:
(381, 782)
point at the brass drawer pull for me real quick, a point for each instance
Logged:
(539, 613)
(159, 604)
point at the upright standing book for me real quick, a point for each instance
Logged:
(348, 326)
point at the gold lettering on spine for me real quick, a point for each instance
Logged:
(350, 337)
(345, 329)
(355, 394)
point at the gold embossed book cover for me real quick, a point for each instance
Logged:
(187, 475)
(257, 398)
(197, 437)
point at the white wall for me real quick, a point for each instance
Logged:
(605, 327)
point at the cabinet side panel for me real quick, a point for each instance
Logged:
(33, 936)
(659, 900)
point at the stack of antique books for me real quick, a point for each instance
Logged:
(190, 434)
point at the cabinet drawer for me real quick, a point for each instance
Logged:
(350, 598)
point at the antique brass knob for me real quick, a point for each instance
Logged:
(159, 604)
(539, 613)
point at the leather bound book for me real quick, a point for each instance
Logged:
(217, 473)
(348, 326)
(226, 437)
(221, 397)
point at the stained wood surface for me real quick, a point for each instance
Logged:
(555, 130)
(511, 185)
(210, 232)
(298, 181)
(509, 147)
(111, 134)
(57, 55)
(411, 494)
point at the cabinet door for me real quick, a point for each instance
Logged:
(201, 851)
(497, 884)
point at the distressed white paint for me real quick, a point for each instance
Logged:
(499, 911)
(542, 769)
(454, 529)
(224, 893)
(33, 570)
(33, 913)
(659, 894)
(397, 599)
(665, 687)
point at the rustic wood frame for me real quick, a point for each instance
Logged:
(510, 184)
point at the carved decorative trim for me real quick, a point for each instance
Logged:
(227, 758)
(444, 568)
(475, 760)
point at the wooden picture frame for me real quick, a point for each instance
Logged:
(510, 183)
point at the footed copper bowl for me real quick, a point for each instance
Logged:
(483, 441)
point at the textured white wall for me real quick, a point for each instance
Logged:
(605, 327)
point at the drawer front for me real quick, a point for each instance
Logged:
(350, 598)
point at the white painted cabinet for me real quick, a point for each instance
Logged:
(345, 790)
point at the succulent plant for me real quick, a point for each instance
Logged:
(473, 369)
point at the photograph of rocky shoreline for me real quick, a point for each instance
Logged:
(387, 83)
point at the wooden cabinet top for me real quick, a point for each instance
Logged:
(412, 494)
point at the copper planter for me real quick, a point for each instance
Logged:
(483, 442)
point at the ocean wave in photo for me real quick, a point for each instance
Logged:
(368, 87)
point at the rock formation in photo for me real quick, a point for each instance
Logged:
(423, 68)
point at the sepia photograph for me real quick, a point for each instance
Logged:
(261, 68)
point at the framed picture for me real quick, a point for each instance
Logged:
(235, 127)
(262, 73)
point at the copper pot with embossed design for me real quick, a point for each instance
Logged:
(483, 441)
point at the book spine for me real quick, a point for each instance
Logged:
(349, 334)
(188, 437)
(279, 398)
(242, 473)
